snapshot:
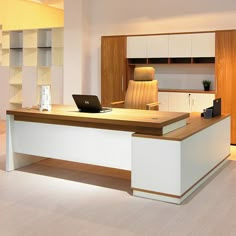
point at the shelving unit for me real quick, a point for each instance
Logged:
(31, 56)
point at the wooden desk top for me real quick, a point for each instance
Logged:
(141, 121)
(195, 123)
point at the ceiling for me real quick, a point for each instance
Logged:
(51, 3)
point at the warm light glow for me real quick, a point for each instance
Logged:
(29, 15)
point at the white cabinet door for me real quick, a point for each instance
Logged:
(137, 47)
(163, 99)
(203, 45)
(201, 101)
(180, 45)
(179, 102)
(158, 46)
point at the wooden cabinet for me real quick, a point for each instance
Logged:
(226, 74)
(179, 102)
(113, 69)
(184, 102)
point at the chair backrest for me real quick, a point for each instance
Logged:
(142, 90)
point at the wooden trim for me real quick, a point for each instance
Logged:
(156, 193)
(140, 121)
(182, 195)
(169, 33)
(119, 127)
(187, 91)
(195, 123)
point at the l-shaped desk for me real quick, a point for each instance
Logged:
(169, 154)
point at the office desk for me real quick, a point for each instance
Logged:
(164, 165)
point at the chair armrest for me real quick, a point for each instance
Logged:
(152, 106)
(118, 104)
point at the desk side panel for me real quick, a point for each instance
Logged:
(156, 165)
(86, 145)
(203, 151)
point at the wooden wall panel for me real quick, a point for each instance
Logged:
(226, 75)
(113, 69)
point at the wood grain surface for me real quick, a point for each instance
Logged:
(143, 121)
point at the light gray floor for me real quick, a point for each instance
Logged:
(42, 200)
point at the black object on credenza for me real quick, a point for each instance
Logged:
(213, 111)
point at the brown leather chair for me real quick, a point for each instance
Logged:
(142, 92)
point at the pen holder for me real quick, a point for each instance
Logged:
(207, 113)
(45, 98)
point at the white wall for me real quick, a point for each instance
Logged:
(76, 48)
(108, 17)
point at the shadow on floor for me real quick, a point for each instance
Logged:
(75, 174)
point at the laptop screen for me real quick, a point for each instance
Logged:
(87, 103)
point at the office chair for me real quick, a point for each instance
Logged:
(142, 92)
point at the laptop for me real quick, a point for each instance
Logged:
(89, 103)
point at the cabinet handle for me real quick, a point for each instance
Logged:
(122, 83)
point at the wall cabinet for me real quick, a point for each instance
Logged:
(180, 45)
(137, 47)
(203, 45)
(158, 46)
(184, 102)
(113, 69)
(172, 46)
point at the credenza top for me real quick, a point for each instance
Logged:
(195, 124)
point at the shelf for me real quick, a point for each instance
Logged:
(57, 56)
(44, 56)
(16, 39)
(44, 38)
(5, 40)
(16, 57)
(16, 97)
(158, 60)
(30, 39)
(30, 56)
(203, 60)
(16, 76)
(137, 61)
(187, 91)
(5, 57)
(180, 60)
